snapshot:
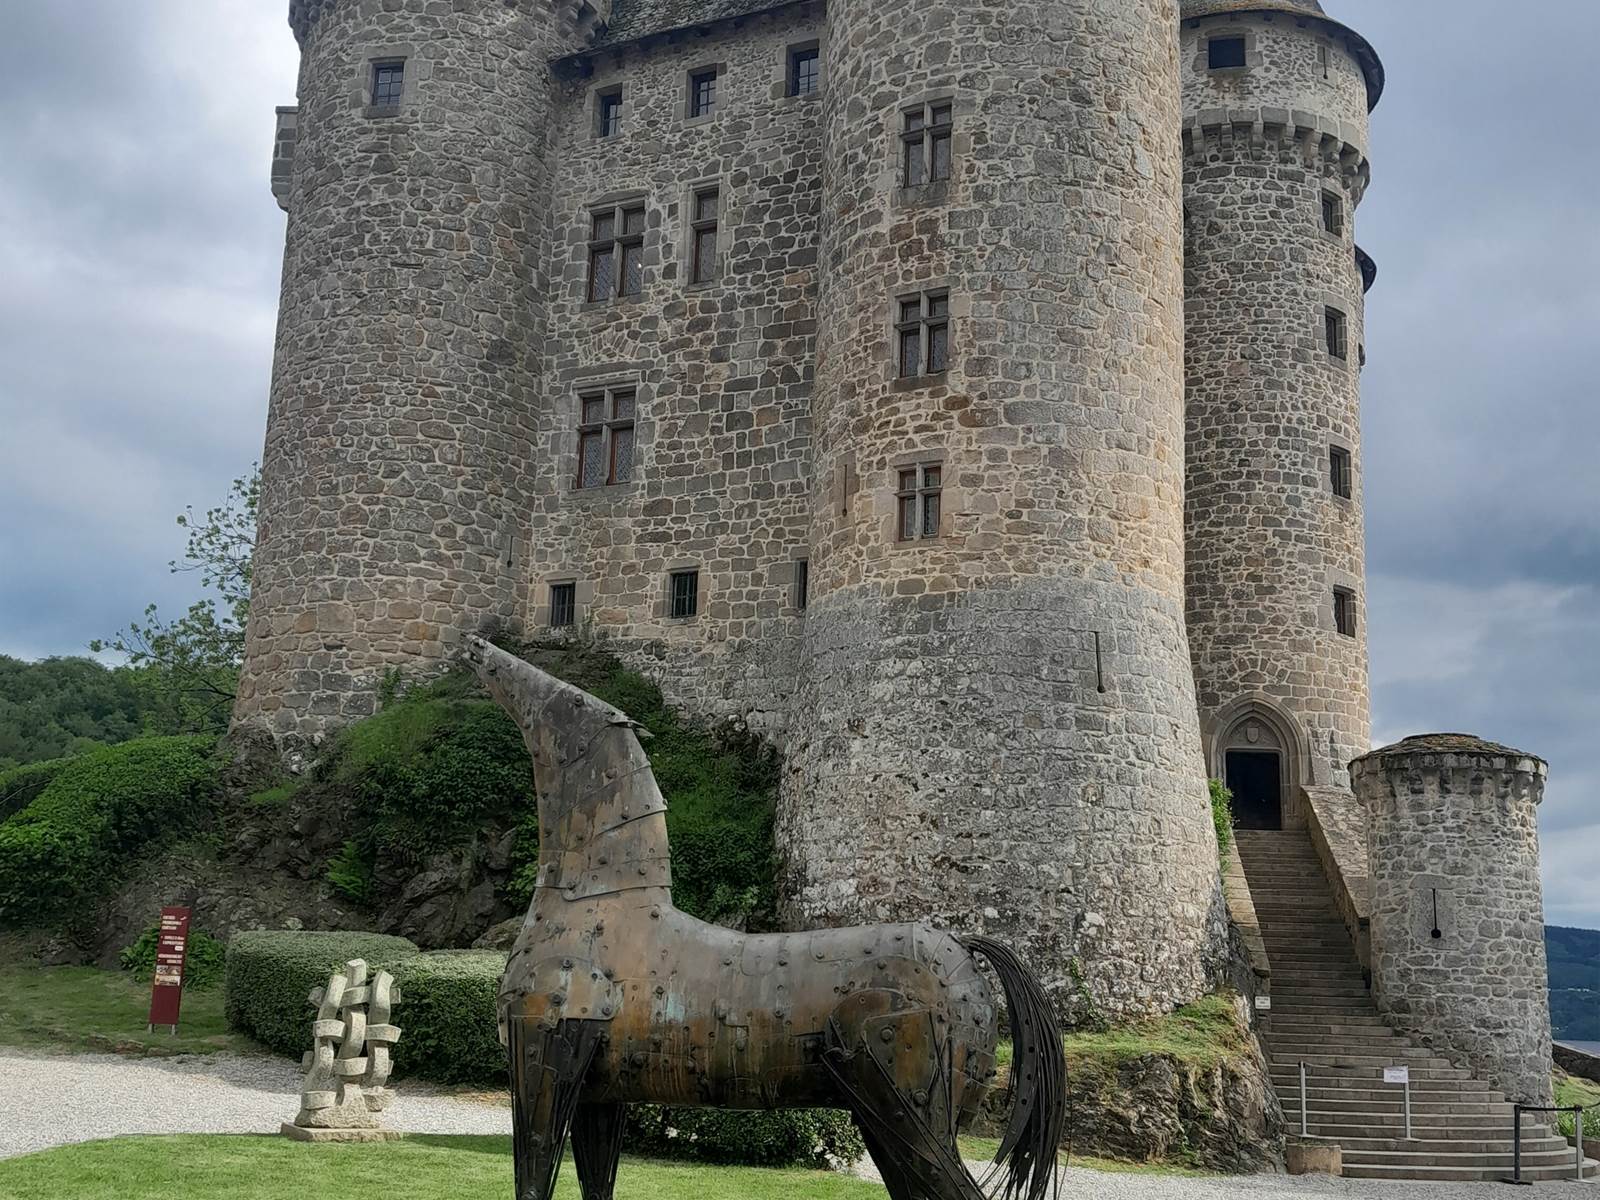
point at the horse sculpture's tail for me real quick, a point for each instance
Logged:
(1027, 1157)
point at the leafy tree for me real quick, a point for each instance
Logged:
(187, 669)
(63, 706)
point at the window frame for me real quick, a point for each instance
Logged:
(618, 244)
(608, 123)
(568, 589)
(923, 326)
(920, 142)
(1336, 332)
(396, 88)
(802, 584)
(690, 596)
(702, 76)
(612, 422)
(1345, 620)
(916, 497)
(1228, 39)
(1332, 213)
(1342, 472)
(700, 272)
(811, 53)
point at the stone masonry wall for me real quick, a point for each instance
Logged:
(723, 370)
(1458, 954)
(961, 751)
(400, 434)
(1268, 540)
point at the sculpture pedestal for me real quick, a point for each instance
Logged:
(301, 1133)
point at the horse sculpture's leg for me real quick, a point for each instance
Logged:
(547, 1070)
(596, 1147)
(895, 1071)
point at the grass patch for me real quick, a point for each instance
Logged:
(1571, 1090)
(1204, 1033)
(84, 1008)
(422, 1167)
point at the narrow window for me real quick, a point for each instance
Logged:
(684, 594)
(616, 252)
(703, 92)
(388, 82)
(923, 329)
(1322, 60)
(919, 497)
(703, 232)
(1342, 472)
(805, 67)
(1226, 53)
(563, 605)
(1332, 213)
(608, 113)
(1344, 611)
(1338, 330)
(802, 583)
(605, 436)
(925, 144)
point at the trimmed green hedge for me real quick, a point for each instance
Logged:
(449, 1033)
(20, 786)
(450, 1030)
(799, 1137)
(270, 975)
(100, 809)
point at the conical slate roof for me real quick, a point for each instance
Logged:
(1371, 65)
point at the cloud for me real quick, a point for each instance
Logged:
(141, 269)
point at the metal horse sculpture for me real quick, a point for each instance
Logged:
(613, 997)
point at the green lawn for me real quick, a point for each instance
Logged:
(419, 1168)
(1571, 1090)
(83, 1008)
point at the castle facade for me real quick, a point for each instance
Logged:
(965, 395)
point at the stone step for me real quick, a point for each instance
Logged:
(1355, 1105)
(1531, 1147)
(1336, 1054)
(1464, 1174)
(1343, 1126)
(1471, 1159)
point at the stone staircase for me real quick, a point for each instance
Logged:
(1323, 1015)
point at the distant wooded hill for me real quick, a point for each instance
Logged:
(1574, 982)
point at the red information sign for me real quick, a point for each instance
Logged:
(166, 993)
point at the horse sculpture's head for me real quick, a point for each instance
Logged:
(601, 815)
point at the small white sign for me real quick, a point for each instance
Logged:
(1397, 1074)
(1263, 1003)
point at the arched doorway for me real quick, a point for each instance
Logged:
(1257, 753)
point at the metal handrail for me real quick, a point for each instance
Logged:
(1516, 1138)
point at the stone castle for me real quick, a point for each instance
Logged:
(965, 395)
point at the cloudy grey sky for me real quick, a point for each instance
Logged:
(139, 255)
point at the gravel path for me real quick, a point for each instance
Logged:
(53, 1099)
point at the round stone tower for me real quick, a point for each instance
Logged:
(1458, 955)
(412, 317)
(1275, 103)
(997, 724)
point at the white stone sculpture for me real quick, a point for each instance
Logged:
(348, 1068)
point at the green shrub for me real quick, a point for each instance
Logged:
(20, 786)
(1222, 815)
(426, 774)
(68, 846)
(450, 1031)
(270, 975)
(202, 964)
(350, 873)
(815, 1137)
